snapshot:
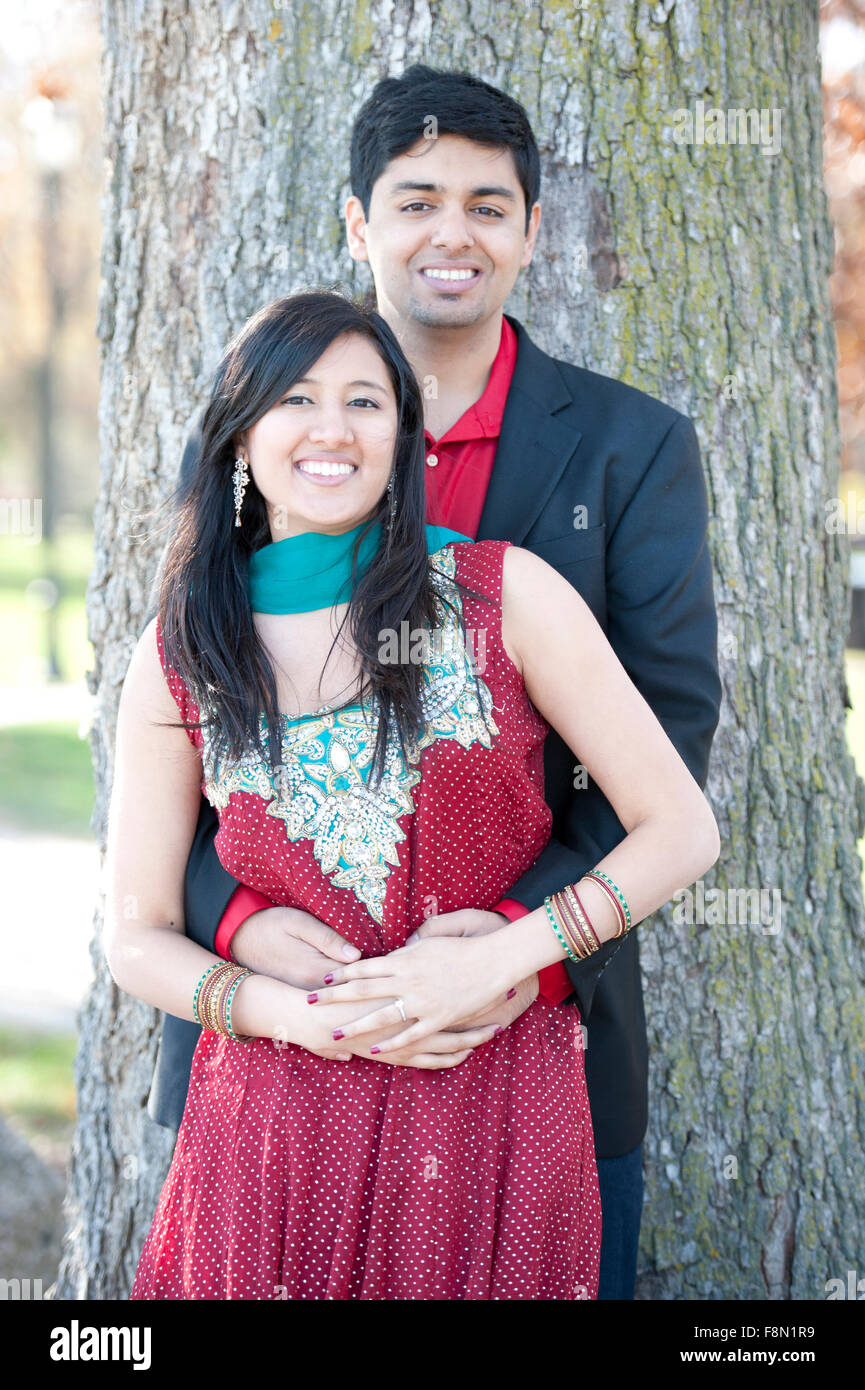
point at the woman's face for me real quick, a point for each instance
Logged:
(321, 457)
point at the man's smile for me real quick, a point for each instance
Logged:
(453, 278)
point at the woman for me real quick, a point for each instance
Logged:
(370, 791)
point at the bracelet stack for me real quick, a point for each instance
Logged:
(616, 896)
(211, 1003)
(571, 922)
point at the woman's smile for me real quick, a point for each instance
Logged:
(327, 472)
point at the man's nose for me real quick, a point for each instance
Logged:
(452, 231)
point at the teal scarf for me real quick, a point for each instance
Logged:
(313, 570)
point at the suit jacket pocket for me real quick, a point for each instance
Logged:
(574, 546)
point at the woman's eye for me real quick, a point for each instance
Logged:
(365, 400)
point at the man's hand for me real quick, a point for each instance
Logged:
(290, 945)
(466, 922)
(507, 1011)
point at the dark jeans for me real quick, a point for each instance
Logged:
(620, 1181)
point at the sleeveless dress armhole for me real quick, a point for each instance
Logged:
(480, 564)
(187, 707)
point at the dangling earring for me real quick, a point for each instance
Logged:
(392, 491)
(240, 478)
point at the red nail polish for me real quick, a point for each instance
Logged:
(510, 994)
(328, 979)
(375, 1049)
(311, 998)
(498, 1029)
(337, 1034)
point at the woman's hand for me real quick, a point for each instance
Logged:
(440, 1050)
(440, 980)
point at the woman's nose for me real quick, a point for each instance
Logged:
(331, 427)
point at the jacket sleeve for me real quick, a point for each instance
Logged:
(662, 624)
(208, 886)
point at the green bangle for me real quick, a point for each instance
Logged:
(596, 873)
(228, 998)
(559, 933)
(207, 972)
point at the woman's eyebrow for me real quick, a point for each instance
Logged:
(314, 381)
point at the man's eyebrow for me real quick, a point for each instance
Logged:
(488, 191)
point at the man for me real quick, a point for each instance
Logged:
(597, 478)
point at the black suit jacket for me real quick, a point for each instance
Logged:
(570, 439)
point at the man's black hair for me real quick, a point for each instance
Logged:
(397, 114)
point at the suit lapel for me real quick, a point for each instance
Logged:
(534, 447)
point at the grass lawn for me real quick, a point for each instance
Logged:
(37, 1090)
(23, 651)
(46, 778)
(45, 773)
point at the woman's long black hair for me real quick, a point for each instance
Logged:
(205, 613)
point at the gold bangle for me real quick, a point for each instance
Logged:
(563, 915)
(592, 938)
(579, 925)
(561, 937)
(202, 990)
(221, 1005)
(209, 994)
(212, 1002)
(574, 924)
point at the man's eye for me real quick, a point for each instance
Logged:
(496, 212)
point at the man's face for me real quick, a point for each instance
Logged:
(445, 205)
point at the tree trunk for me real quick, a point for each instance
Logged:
(694, 269)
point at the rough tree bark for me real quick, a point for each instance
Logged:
(697, 271)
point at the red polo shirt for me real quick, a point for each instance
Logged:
(459, 467)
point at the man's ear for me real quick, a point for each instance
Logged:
(531, 235)
(355, 228)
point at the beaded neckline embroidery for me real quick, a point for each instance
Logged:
(319, 790)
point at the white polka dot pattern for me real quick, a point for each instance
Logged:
(294, 1177)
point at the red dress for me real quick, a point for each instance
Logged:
(296, 1177)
